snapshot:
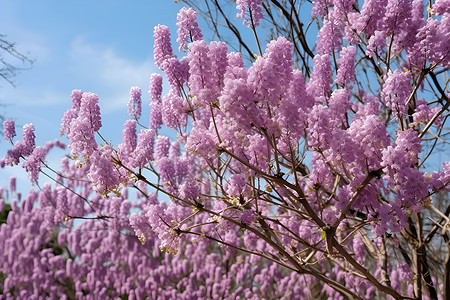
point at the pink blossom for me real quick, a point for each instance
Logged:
(219, 62)
(237, 185)
(270, 75)
(441, 7)
(319, 128)
(201, 142)
(143, 153)
(82, 138)
(155, 91)
(372, 13)
(370, 134)
(76, 97)
(162, 49)
(377, 44)
(237, 102)
(339, 104)
(28, 138)
(12, 185)
(9, 129)
(102, 172)
(396, 91)
(189, 190)
(248, 216)
(33, 163)
(155, 88)
(319, 84)
(162, 147)
(69, 115)
(176, 71)
(251, 12)
(134, 104)
(423, 113)
(346, 63)
(173, 111)
(201, 85)
(320, 7)
(188, 30)
(129, 140)
(329, 37)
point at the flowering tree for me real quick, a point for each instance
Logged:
(260, 180)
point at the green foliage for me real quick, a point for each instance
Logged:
(4, 213)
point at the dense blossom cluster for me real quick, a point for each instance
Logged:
(9, 129)
(275, 183)
(21, 148)
(188, 30)
(103, 259)
(251, 12)
(134, 104)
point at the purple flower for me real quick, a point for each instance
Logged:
(319, 128)
(201, 142)
(377, 44)
(84, 126)
(33, 163)
(76, 96)
(219, 63)
(370, 134)
(270, 75)
(188, 30)
(69, 115)
(329, 37)
(424, 113)
(396, 91)
(251, 12)
(173, 112)
(12, 184)
(129, 140)
(248, 216)
(155, 91)
(134, 104)
(28, 139)
(397, 16)
(162, 49)
(155, 88)
(441, 7)
(9, 129)
(82, 138)
(162, 147)
(237, 102)
(320, 7)
(89, 109)
(102, 172)
(143, 153)
(189, 190)
(339, 103)
(319, 84)
(237, 185)
(346, 63)
(201, 85)
(176, 71)
(372, 13)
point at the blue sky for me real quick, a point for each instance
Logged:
(104, 47)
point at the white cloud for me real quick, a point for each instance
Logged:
(109, 74)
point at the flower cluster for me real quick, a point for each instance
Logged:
(9, 129)
(134, 104)
(188, 30)
(318, 177)
(251, 12)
